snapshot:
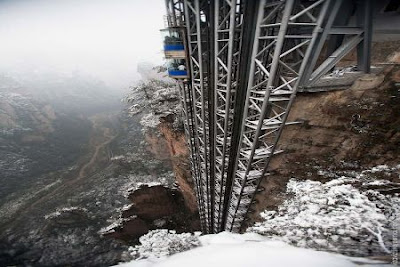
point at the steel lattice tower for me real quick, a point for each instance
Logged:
(246, 61)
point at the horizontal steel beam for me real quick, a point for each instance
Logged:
(346, 30)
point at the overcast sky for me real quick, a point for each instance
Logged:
(105, 38)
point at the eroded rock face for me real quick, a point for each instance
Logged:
(32, 120)
(157, 146)
(151, 203)
(179, 152)
(130, 229)
(170, 143)
(154, 207)
(342, 130)
(158, 206)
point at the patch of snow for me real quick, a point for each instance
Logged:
(378, 182)
(126, 207)
(166, 179)
(150, 121)
(342, 71)
(334, 216)
(161, 243)
(117, 223)
(235, 250)
(380, 168)
(148, 184)
(59, 211)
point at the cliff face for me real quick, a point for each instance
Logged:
(341, 131)
(162, 205)
(153, 207)
(163, 130)
(171, 144)
(179, 153)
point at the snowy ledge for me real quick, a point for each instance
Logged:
(342, 215)
(250, 249)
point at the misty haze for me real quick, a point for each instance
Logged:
(66, 69)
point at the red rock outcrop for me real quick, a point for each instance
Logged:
(172, 142)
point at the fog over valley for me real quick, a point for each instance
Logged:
(66, 69)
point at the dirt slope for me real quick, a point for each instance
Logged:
(354, 128)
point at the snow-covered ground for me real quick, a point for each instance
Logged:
(349, 214)
(161, 243)
(354, 213)
(250, 249)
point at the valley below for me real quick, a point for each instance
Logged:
(61, 184)
(75, 198)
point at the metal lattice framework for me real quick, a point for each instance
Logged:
(285, 35)
(227, 32)
(175, 11)
(194, 18)
(359, 35)
(190, 131)
(236, 102)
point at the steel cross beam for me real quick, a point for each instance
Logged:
(227, 37)
(194, 19)
(285, 34)
(358, 36)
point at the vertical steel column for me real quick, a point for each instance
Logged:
(250, 138)
(323, 12)
(208, 32)
(248, 22)
(364, 20)
(227, 30)
(200, 103)
(175, 19)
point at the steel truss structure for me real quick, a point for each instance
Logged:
(190, 131)
(198, 54)
(227, 33)
(238, 98)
